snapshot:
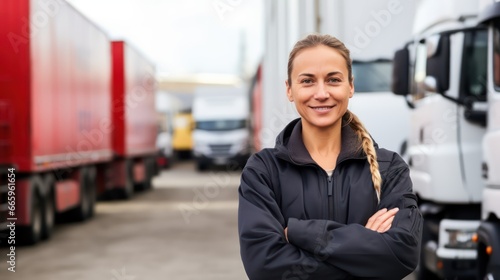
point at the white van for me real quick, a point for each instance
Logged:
(221, 135)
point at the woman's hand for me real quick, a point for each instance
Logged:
(382, 220)
(286, 234)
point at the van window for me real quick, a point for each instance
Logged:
(496, 56)
(474, 62)
(372, 76)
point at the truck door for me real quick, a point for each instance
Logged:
(433, 144)
(492, 139)
(471, 116)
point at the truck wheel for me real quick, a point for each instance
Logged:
(49, 211)
(128, 191)
(92, 186)
(423, 272)
(201, 166)
(150, 170)
(35, 228)
(33, 233)
(82, 211)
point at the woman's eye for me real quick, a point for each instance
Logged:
(306, 81)
(334, 80)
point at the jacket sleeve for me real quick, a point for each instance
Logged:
(263, 247)
(360, 251)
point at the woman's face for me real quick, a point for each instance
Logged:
(320, 86)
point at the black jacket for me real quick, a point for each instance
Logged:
(325, 216)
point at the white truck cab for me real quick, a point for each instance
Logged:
(489, 230)
(221, 134)
(442, 74)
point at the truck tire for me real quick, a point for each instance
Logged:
(423, 273)
(82, 211)
(201, 165)
(92, 186)
(48, 205)
(488, 265)
(33, 232)
(150, 172)
(128, 190)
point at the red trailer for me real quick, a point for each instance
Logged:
(77, 116)
(55, 121)
(134, 119)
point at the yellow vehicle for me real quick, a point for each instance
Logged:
(182, 142)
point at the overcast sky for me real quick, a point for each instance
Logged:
(181, 37)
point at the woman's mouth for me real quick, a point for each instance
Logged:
(322, 109)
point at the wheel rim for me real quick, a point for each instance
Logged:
(84, 201)
(37, 218)
(49, 213)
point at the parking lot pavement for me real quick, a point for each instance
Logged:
(152, 236)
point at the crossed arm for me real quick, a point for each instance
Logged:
(380, 222)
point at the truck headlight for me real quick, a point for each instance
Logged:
(460, 239)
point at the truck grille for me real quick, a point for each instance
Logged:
(220, 150)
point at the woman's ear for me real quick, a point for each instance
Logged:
(288, 91)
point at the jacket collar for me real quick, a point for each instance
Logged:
(290, 146)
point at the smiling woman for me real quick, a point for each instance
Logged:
(326, 202)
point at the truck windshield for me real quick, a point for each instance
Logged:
(220, 125)
(372, 76)
(496, 55)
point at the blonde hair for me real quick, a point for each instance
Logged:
(349, 118)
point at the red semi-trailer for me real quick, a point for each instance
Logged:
(134, 119)
(55, 121)
(77, 116)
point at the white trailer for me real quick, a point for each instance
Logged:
(442, 73)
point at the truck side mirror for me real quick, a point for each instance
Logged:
(401, 72)
(476, 112)
(438, 61)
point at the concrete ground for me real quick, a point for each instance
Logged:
(183, 229)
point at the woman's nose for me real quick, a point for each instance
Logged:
(321, 93)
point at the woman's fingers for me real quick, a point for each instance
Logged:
(382, 220)
(385, 226)
(374, 217)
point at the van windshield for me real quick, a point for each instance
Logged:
(372, 76)
(220, 125)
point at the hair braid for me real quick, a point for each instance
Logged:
(368, 148)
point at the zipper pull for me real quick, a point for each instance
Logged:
(330, 186)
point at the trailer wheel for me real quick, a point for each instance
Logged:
(150, 172)
(82, 211)
(91, 188)
(33, 233)
(48, 208)
(128, 191)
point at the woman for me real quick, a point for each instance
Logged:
(326, 202)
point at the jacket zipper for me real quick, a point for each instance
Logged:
(330, 197)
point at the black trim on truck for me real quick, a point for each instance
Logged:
(489, 235)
